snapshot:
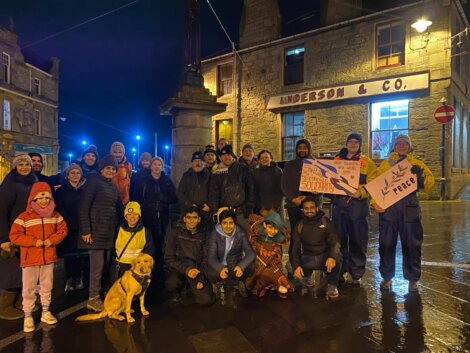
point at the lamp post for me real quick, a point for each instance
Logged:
(138, 144)
(166, 153)
(133, 157)
(84, 142)
(70, 158)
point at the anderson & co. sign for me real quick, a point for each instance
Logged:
(405, 83)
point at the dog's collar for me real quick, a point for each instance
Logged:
(144, 281)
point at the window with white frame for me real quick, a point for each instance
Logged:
(456, 136)
(390, 44)
(6, 115)
(388, 120)
(292, 131)
(5, 68)
(37, 86)
(37, 122)
(294, 66)
(225, 79)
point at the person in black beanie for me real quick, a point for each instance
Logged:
(210, 157)
(89, 160)
(232, 185)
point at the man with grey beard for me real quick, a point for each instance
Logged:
(193, 189)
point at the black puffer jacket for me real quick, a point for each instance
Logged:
(185, 250)
(14, 193)
(268, 186)
(67, 199)
(99, 212)
(155, 197)
(137, 179)
(317, 235)
(193, 188)
(234, 187)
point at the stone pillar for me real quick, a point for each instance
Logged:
(192, 109)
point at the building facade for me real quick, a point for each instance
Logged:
(29, 91)
(373, 74)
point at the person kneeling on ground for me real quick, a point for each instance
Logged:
(132, 240)
(184, 255)
(267, 237)
(229, 254)
(316, 246)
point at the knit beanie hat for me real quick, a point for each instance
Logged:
(157, 158)
(132, 207)
(355, 136)
(227, 149)
(117, 147)
(108, 160)
(145, 156)
(91, 149)
(40, 189)
(35, 154)
(72, 167)
(197, 155)
(22, 158)
(248, 145)
(403, 138)
(209, 149)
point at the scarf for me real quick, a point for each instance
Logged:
(45, 212)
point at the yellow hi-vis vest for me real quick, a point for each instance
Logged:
(135, 247)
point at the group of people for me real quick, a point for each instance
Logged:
(230, 236)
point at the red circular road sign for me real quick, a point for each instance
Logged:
(444, 114)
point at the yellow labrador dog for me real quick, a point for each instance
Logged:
(119, 298)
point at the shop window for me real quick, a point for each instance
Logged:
(388, 120)
(390, 44)
(465, 139)
(6, 115)
(5, 68)
(224, 129)
(294, 66)
(292, 131)
(457, 133)
(225, 79)
(37, 86)
(37, 122)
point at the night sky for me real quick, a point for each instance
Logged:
(118, 69)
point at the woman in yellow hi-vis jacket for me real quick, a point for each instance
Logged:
(404, 218)
(350, 214)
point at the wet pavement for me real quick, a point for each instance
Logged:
(437, 319)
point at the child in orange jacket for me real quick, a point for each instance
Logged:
(37, 231)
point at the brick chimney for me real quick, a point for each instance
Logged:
(260, 22)
(334, 11)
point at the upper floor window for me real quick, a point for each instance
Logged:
(37, 122)
(292, 131)
(388, 120)
(5, 68)
(294, 66)
(390, 44)
(225, 79)
(6, 115)
(37, 86)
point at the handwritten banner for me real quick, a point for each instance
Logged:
(393, 185)
(338, 177)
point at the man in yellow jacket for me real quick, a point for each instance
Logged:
(404, 218)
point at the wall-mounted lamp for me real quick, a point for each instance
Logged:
(421, 25)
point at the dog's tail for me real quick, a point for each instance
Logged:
(91, 317)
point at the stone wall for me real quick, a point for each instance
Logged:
(341, 55)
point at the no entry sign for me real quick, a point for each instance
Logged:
(444, 114)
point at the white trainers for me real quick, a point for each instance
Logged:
(314, 279)
(48, 318)
(28, 325)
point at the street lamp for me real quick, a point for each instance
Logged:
(138, 144)
(421, 25)
(133, 157)
(166, 152)
(70, 158)
(84, 142)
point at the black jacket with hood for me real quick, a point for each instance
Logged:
(193, 188)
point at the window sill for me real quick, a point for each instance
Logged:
(388, 66)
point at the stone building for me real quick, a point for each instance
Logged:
(29, 91)
(371, 73)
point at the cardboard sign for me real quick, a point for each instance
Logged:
(393, 185)
(338, 177)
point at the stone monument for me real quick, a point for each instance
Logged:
(193, 106)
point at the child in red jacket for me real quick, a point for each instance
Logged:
(37, 231)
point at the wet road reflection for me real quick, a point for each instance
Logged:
(363, 319)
